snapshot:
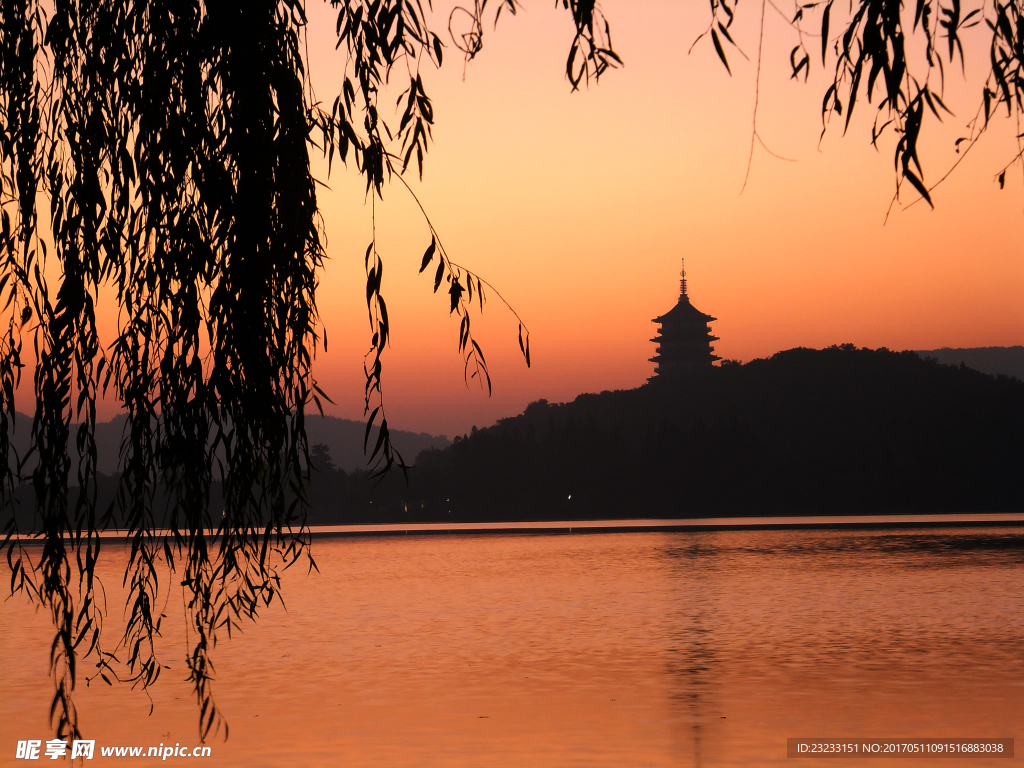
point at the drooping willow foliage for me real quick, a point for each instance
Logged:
(159, 151)
(168, 143)
(894, 54)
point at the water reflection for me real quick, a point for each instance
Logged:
(693, 661)
(661, 649)
(847, 634)
(936, 547)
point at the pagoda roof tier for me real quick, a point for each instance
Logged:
(685, 312)
(691, 341)
(664, 365)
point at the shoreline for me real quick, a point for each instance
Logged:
(651, 525)
(682, 525)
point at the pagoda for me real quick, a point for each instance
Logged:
(684, 339)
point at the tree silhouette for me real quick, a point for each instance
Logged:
(883, 49)
(171, 141)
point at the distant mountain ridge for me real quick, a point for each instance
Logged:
(1008, 361)
(343, 437)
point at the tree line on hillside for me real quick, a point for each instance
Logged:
(834, 431)
(994, 360)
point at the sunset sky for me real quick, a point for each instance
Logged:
(579, 206)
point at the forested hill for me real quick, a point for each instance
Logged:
(834, 431)
(994, 360)
(839, 430)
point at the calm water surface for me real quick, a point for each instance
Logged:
(635, 649)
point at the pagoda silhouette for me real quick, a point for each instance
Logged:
(684, 339)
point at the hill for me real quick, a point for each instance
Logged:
(834, 431)
(337, 443)
(343, 437)
(1008, 361)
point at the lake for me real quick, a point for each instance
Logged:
(621, 649)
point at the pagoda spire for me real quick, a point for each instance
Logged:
(682, 281)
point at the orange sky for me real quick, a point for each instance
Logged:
(579, 206)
